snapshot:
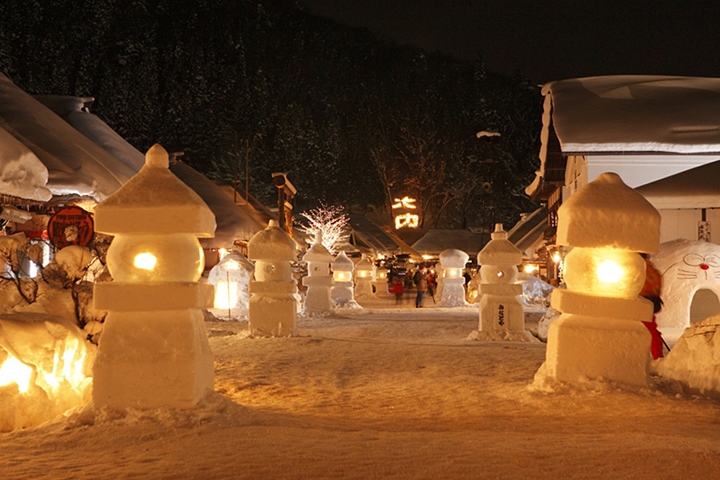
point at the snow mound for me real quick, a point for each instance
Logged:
(502, 336)
(694, 361)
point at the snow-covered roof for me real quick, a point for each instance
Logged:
(437, 240)
(636, 114)
(43, 147)
(695, 188)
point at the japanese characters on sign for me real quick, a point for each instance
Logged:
(407, 219)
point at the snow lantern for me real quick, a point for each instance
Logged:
(363, 278)
(600, 332)
(500, 305)
(154, 349)
(273, 302)
(381, 282)
(231, 277)
(45, 365)
(319, 280)
(342, 292)
(452, 263)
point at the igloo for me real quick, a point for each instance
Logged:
(691, 284)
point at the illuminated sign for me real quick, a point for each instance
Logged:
(404, 220)
(405, 202)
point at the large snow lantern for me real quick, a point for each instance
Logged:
(154, 349)
(452, 263)
(500, 306)
(273, 304)
(319, 280)
(600, 333)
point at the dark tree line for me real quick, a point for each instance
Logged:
(353, 121)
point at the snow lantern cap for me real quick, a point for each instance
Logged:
(499, 250)
(271, 244)
(317, 251)
(155, 201)
(364, 264)
(606, 213)
(453, 258)
(342, 263)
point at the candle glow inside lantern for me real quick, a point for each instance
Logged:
(600, 332)
(154, 349)
(381, 282)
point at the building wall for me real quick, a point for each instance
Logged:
(636, 170)
(684, 223)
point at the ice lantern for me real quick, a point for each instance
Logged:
(500, 307)
(273, 306)
(452, 263)
(154, 350)
(319, 281)
(600, 333)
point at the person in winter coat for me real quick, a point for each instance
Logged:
(420, 280)
(398, 289)
(651, 290)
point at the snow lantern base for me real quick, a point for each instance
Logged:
(583, 347)
(153, 359)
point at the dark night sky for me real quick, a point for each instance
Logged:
(550, 40)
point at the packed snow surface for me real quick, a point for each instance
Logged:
(391, 393)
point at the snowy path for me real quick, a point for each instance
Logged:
(391, 394)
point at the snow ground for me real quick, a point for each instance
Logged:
(391, 393)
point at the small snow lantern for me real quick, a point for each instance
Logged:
(500, 306)
(319, 281)
(363, 278)
(381, 281)
(452, 262)
(600, 332)
(342, 292)
(231, 277)
(154, 350)
(273, 304)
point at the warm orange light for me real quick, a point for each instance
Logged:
(406, 220)
(14, 371)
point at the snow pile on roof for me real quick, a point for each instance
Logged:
(74, 164)
(633, 113)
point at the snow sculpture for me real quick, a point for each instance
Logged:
(452, 263)
(231, 277)
(363, 279)
(342, 292)
(694, 360)
(600, 333)
(319, 281)
(381, 282)
(154, 350)
(691, 283)
(273, 300)
(500, 306)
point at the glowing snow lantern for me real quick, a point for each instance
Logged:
(600, 333)
(452, 262)
(231, 277)
(273, 305)
(319, 281)
(381, 281)
(342, 292)
(500, 306)
(154, 349)
(363, 278)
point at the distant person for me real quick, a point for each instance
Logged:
(398, 289)
(431, 285)
(420, 280)
(651, 290)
